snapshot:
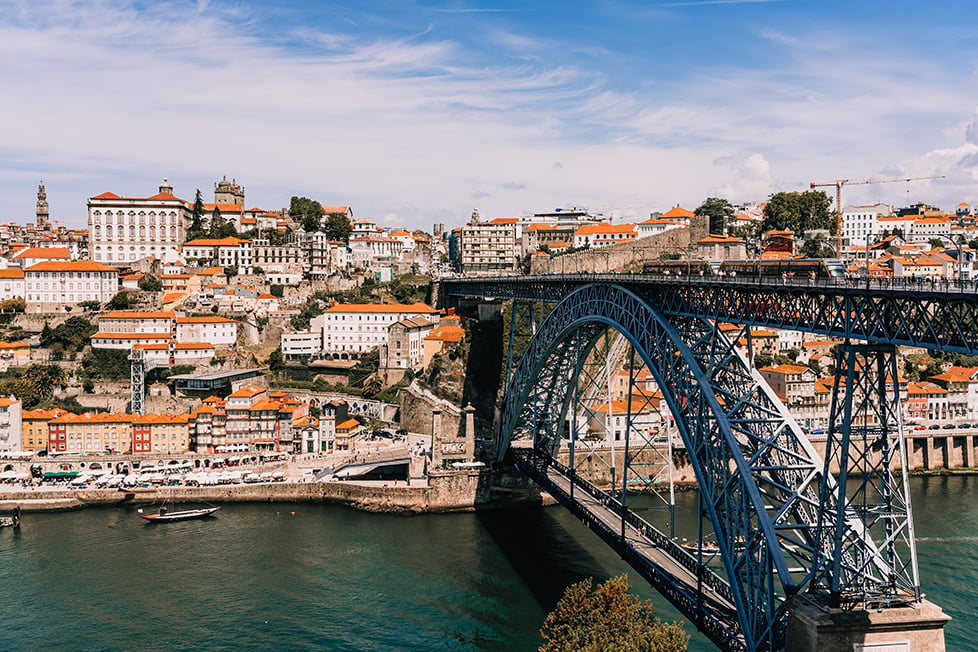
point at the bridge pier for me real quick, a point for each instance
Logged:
(813, 627)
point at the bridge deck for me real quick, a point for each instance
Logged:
(707, 603)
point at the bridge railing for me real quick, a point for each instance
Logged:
(679, 554)
(720, 625)
(961, 286)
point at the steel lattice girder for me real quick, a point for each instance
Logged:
(762, 480)
(866, 443)
(931, 319)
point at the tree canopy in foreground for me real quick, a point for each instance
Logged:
(606, 618)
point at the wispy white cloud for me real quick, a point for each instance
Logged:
(417, 125)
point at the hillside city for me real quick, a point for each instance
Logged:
(175, 325)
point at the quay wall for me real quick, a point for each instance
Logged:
(446, 491)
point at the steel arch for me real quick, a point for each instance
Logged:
(762, 479)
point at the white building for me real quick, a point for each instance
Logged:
(860, 222)
(352, 329)
(222, 252)
(600, 235)
(12, 283)
(11, 425)
(125, 229)
(125, 321)
(219, 331)
(51, 285)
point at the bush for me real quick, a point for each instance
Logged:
(608, 618)
(150, 283)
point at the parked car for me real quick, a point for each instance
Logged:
(934, 427)
(949, 426)
(921, 427)
(964, 425)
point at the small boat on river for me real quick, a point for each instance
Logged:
(11, 521)
(164, 516)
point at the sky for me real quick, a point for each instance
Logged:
(415, 112)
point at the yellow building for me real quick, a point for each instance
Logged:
(35, 428)
(346, 432)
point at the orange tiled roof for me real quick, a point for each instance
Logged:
(381, 307)
(45, 252)
(678, 212)
(70, 266)
(209, 319)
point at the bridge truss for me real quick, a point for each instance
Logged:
(785, 527)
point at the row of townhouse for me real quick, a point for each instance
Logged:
(252, 419)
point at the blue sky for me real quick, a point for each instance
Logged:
(417, 112)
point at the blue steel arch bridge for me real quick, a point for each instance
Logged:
(787, 526)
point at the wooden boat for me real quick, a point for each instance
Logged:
(11, 521)
(163, 516)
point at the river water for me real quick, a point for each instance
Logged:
(320, 577)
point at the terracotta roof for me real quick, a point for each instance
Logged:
(210, 319)
(131, 336)
(335, 209)
(678, 212)
(210, 242)
(504, 220)
(604, 227)
(11, 273)
(70, 266)
(45, 252)
(107, 195)
(247, 391)
(382, 308)
(14, 345)
(447, 334)
(958, 375)
(348, 424)
(123, 314)
(786, 369)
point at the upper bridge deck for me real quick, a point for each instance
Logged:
(936, 315)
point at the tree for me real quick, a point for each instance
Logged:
(307, 211)
(372, 385)
(799, 212)
(608, 618)
(337, 227)
(42, 379)
(719, 211)
(817, 247)
(276, 362)
(15, 304)
(149, 283)
(197, 222)
(119, 302)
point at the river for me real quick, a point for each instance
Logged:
(321, 577)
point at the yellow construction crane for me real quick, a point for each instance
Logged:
(838, 183)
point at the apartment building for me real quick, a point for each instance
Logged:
(493, 247)
(11, 424)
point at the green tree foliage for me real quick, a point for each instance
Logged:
(16, 304)
(196, 229)
(337, 226)
(43, 379)
(276, 290)
(308, 310)
(608, 618)
(72, 334)
(149, 283)
(799, 212)
(308, 212)
(817, 247)
(107, 364)
(719, 211)
(276, 362)
(120, 301)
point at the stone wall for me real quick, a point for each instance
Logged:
(417, 407)
(623, 257)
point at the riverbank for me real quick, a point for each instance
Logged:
(439, 493)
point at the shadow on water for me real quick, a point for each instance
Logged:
(541, 551)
